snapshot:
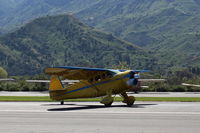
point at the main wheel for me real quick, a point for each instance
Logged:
(107, 101)
(108, 104)
(130, 101)
(130, 104)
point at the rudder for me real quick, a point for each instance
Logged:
(55, 84)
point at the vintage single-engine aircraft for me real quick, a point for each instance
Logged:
(93, 82)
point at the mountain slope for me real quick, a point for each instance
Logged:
(169, 28)
(14, 13)
(63, 40)
(132, 18)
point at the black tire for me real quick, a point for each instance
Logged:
(108, 105)
(130, 104)
(62, 102)
(130, 101)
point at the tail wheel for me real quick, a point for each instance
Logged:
(62, 102)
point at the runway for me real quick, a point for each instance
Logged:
(92, 117)
(140, 94)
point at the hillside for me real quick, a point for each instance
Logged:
(169, 28)
(63, 40)
(132, 19)
(14, 13)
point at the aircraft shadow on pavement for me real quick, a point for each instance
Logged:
(57, 104)
(88, 107)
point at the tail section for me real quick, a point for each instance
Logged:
(55, 84)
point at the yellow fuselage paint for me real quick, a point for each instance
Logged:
(85, 89)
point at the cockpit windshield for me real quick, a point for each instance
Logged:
(134, 75)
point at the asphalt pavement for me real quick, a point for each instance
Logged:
(93, 117)
(141, 94)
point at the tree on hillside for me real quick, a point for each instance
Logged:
(3, 73)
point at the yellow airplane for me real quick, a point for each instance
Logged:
(93, 82)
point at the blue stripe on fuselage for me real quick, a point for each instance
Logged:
(103, 82)
(85, 87)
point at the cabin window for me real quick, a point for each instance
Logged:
(109, 75)
(97, 78)
(91, 80)
(103, 76)
(131, 75)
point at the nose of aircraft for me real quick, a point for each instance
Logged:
(133, 80)
(136, 76)
(133, 83)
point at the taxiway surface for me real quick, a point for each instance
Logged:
(92, 117)
(140, 94)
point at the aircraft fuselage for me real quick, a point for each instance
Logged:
(85, 89)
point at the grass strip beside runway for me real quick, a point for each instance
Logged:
(47, 99)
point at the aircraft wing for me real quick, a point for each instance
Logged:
(82, 73)
(79, 73)
(191, 85)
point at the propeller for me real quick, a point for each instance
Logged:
(133, 79)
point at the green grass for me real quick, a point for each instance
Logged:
(169, 99)
(47, 99)
(25, 98)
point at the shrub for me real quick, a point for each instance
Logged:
(3, 73)
(178, 88)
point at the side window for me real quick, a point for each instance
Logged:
(132, 75)
(97, 78)
(109, 75)
(91, 80)
(103, 76)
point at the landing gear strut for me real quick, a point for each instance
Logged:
(129, 100)
(62, 102)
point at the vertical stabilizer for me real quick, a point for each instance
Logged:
(55, 83)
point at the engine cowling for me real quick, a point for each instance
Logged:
(133, 82)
